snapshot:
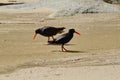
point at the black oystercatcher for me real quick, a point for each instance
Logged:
(48, 31)
(65, 38)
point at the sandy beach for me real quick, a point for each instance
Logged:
(70, 73)
(97, 47)
(94, 55)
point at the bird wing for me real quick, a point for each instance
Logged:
(61, 37)
(49, 30)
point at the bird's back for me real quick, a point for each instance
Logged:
(65, 38)
(50, 31)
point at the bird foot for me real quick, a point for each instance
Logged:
(64, 50)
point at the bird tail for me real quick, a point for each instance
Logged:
(60, 30)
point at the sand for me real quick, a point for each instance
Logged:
(70, 73)
(95, 55)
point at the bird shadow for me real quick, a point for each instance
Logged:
(70, 51)
(59, 44)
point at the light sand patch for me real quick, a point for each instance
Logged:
(77, 73)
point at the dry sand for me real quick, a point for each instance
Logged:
(91, 53)
(72, 73)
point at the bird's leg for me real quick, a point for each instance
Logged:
(53, 38)
(48, 38)
(63, 48)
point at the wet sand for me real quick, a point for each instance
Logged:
(98, 44)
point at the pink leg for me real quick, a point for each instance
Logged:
(48, 38)
(63, 48)
(53, 38)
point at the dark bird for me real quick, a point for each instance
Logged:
(63, 39)
(48, 31)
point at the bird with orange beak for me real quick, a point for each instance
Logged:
(63, 39)
(48, 31)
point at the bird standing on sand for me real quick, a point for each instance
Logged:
(63, 39)
(48, 31)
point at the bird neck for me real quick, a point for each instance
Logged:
(71, 34)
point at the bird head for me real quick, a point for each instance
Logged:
(36, 32)
(73, 31)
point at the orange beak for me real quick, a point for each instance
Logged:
(77, 33)
(34, 36)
